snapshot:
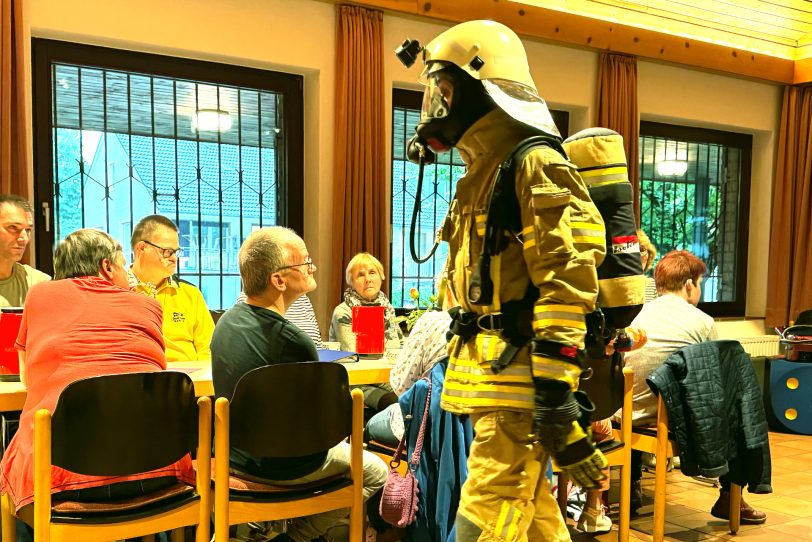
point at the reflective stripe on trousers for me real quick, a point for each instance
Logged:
(507, 494)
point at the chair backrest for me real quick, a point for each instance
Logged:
(602, 380)
(805, 318)
(115, 425)
(216, 314)
(291, 409)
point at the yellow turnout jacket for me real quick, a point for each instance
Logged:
(561, 244)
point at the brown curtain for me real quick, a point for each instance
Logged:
(617, 109)
(789, 286)
(13, 136)
(359, 201)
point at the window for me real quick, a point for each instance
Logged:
(439, 184)
(121, 135)
(695, 195)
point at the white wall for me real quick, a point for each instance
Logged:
(298, 36)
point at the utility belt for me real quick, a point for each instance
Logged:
(514, 323)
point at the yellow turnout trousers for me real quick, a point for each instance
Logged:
(507, 495)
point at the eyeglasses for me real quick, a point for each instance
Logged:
(308, 262)
(166, 252)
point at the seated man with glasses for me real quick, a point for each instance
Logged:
(301, 314)
(187, 323)
(276, 270)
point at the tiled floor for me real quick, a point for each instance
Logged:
(789, 508)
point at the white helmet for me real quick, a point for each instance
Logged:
(492, 53)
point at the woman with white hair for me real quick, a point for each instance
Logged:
(423, 348)
(364, 276)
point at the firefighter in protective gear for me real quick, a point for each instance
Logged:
(479, 97)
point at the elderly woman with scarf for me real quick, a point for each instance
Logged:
(364, 275)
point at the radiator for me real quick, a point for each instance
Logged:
(760, 346)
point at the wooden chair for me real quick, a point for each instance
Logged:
(617, 451)
(656, 441)
(119, 425)
(216, 314)
(284, 411)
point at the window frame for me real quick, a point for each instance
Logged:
(290, 202)
(744, 142)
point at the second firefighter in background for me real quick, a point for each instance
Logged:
(480, 98)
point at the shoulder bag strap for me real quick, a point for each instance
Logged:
(419, 445)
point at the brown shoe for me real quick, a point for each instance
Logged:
(747, 514)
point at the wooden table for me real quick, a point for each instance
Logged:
(366, 371)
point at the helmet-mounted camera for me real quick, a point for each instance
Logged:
(408, 51)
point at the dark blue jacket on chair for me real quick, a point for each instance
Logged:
(443, 463)
(715, 412)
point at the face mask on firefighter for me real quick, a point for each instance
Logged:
(437, 97)
(435, 127)
(452, 102)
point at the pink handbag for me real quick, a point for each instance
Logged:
(399, 497)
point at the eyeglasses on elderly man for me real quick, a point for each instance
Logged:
(310, 266)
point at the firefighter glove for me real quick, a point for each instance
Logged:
(581, 461)
(561, 422)
(555, 412)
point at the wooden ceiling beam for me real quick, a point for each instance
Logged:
(803, 71)
(552, 25)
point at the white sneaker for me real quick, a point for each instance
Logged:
(594, 521)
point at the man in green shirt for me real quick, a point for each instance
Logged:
(276, 269)
(16, 225)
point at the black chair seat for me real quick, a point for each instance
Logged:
(651, 432)
(107, 512)
(120, 425)
(610, 445)
(242, 489)
(279, 397)
(647, 431)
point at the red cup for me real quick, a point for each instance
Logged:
(9, 328)
(367, 324)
